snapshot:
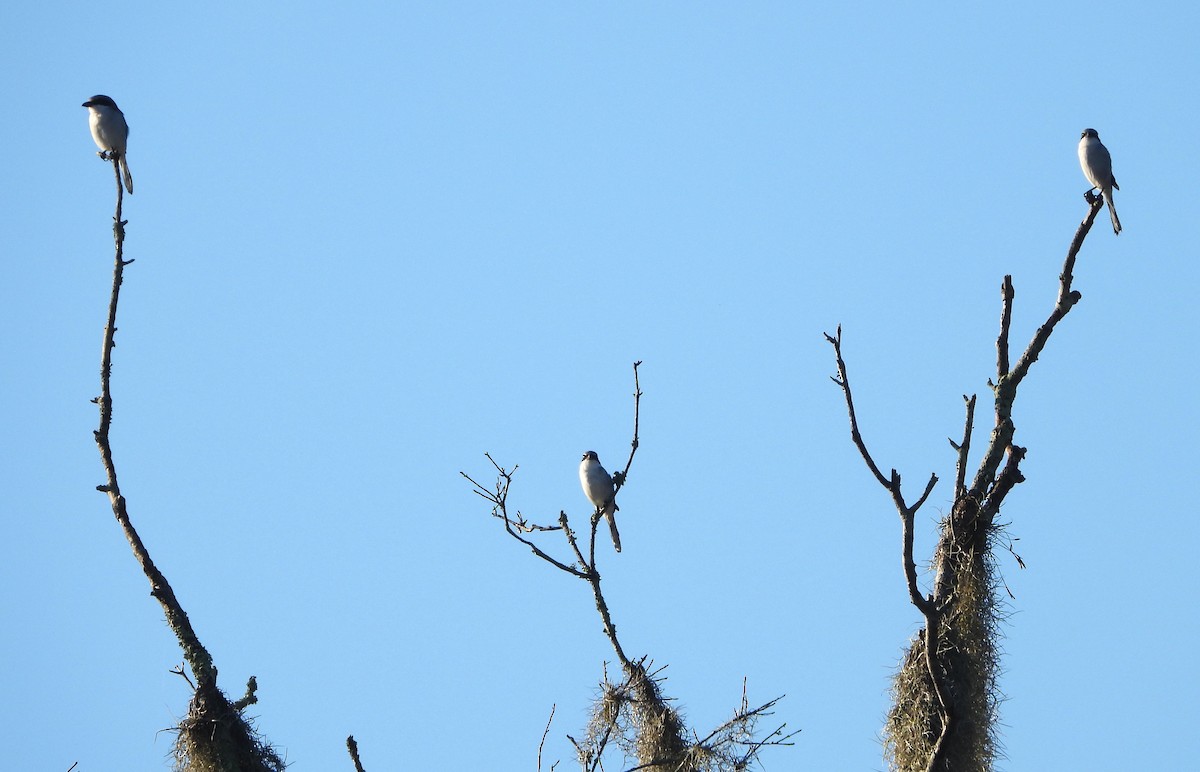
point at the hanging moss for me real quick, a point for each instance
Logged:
(216, 737)
(968, 656)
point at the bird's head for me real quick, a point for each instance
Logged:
(100, 101)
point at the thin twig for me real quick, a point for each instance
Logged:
(515, 528)
(545, 732)
(619, 480)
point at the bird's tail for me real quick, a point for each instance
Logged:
(126, 174)
(612, 527)
(1112, 212)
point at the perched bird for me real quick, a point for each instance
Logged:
(110, 131)
(1097, 167)
(598, 487)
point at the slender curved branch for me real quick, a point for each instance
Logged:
(843, 381)
(197, 657)
(545, 732)
(891, 484)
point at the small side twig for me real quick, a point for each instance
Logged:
(620, 477)
(964, 448)
(251, 696)
(182, 673)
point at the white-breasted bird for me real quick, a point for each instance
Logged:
(1097, 167)
(110, 131)
(598, 487)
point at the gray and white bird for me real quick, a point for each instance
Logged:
(598, 487)
(1097, 167)
(110, 131)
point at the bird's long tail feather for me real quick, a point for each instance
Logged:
(127, 175)
(612, 527)
(1112, 212)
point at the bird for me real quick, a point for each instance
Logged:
(598, 487)
(1097, 167)
(110, 131)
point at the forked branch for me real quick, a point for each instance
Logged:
(582, 566)
(975, 507)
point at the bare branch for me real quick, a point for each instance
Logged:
(182, 673)
(959, 659)
(1007, 293)
(545, 732)
(620, 477)
(498, 498)
(907, 516)
(251, 696)
(1007, 382)
(584, 567)
(843, 380)
(892, 484)
(933, 479)
(964, 449)
(1009, 478)
(352, 746)
(197, 657)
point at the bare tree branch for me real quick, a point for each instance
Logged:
(583, 567)
(198, 658)
(964, 448)
(958, 610)
(545, 732)
(214, 733)
(352, 746)
(1007, 293)
(619, 477)
(843, 381)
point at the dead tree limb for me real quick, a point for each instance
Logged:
(944, 715)
(214, 735)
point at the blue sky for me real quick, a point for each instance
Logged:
(374, 242)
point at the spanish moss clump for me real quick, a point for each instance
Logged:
(216, 737)
(969, 660)
(657, 727)
(636, 717)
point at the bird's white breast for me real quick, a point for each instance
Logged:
(109, 129)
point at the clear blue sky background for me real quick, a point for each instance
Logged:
(374, 242)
